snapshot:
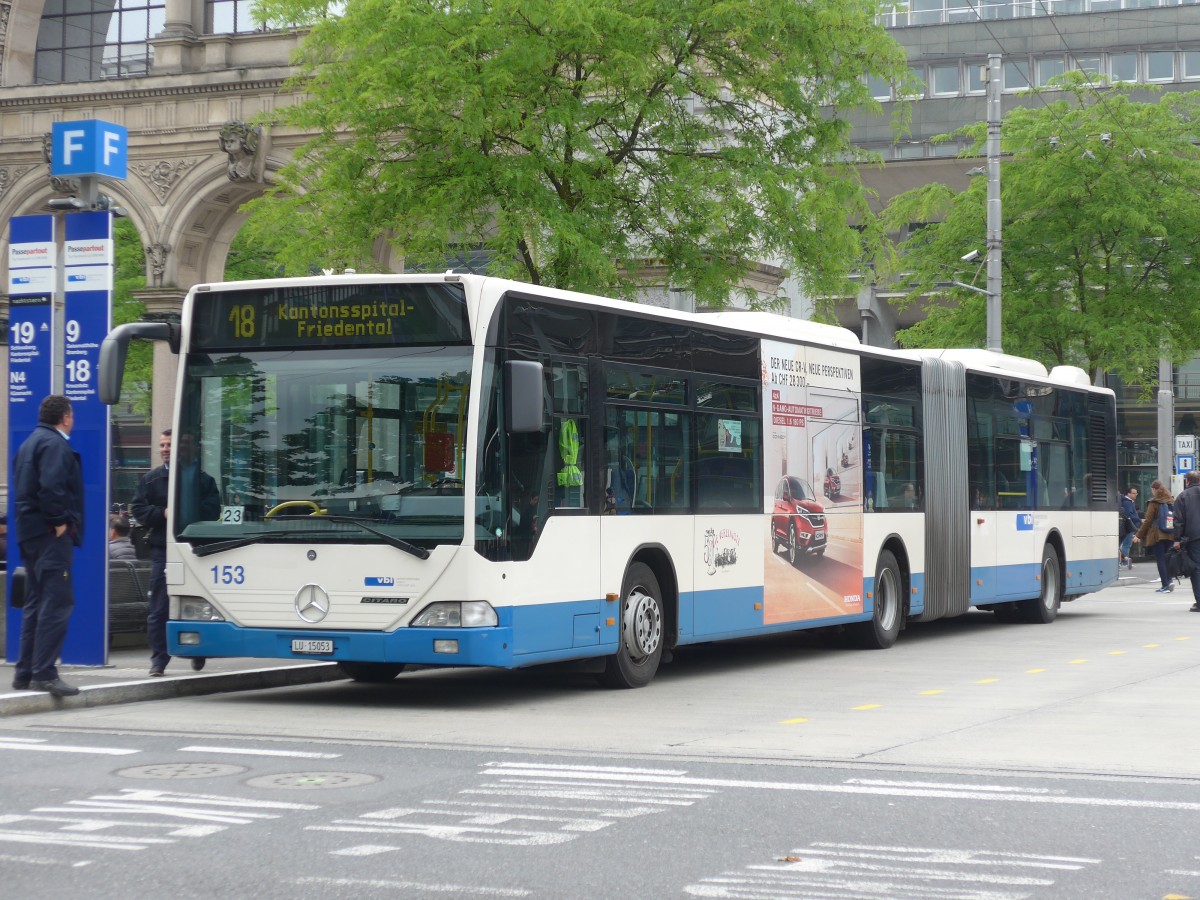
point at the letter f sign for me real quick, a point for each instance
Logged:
(72, 144)
(112, 147)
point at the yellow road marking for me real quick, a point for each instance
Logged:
(793, 721)
(1076, 662)
(1034, 671)
(1150, 646)
(931, 693)
(1183, 638)
(1117, 652)
(987, 680)
(867, 706)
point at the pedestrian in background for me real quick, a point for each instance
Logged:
(120, 546)
(149, 507)
(1187, 529)
(1130, 522)
(48, 517)
(1152, 537)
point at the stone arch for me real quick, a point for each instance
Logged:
(200, 227)
(28, 196)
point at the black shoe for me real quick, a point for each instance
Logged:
(156, 671)
(19, 685)
(56, 688)
(198, 663)
(1195, 607)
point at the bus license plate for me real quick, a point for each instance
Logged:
(312, 646)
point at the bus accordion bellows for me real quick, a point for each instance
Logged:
(459, 470)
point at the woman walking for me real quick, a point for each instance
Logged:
(1151, 537)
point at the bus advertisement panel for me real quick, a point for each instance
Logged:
(814, 567)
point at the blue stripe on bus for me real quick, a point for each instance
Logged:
(579, 629)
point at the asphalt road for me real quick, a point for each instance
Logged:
(972, 760)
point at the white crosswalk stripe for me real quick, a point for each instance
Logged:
(528, 804)
(868, 872)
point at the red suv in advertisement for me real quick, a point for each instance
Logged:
(833, 484)
(798, 520)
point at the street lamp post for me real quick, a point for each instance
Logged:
(994, 341)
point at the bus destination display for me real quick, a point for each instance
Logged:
(330, 316)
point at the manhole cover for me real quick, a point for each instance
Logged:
(310, 781)
(182, 770)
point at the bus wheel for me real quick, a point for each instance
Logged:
(793, 545)
(371, 673)
(883, 629)
(1043, 610)
(640, 646)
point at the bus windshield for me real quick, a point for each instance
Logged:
(322, 445)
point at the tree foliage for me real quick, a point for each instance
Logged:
(129, 275)
(572, 140)
(1101, 228)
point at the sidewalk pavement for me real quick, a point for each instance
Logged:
(126, 679)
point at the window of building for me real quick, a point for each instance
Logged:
(1090, 65)
(944, 80)
(996, 9)
(229, 16)
(1049, 67)
(926, 12)
(77, 41)
(1160, 66)
(1191, 63)
(880, 88)
(916, 89)
(910, 150)
(976, 70)
(1122, 66)
(1016, 75)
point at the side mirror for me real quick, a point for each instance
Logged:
(115, 348)
(523, 402)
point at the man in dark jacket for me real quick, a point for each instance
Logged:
(149, 507)
(48, 517)
(1187, 528)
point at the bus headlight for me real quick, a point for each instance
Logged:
(468, 614)
(197, 609)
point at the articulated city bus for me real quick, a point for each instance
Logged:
(458, 470)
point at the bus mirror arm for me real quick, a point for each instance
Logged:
(115, 348)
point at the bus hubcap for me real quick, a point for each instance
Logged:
(643, 625)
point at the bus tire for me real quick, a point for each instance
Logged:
(642, 632)
(370, 673)
(1043, 609)
(884, 627)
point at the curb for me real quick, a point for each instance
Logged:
(16, 703)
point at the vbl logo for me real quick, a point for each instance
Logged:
(1025, 522)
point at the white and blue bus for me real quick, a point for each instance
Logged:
(459, 470)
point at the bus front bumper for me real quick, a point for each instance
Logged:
(422, 646)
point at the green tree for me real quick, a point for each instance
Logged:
(129, 275)
(1100, 232)
(572, 140)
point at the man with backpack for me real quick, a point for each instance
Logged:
(1187, 529)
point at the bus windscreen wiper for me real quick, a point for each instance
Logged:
(419, 552)
(246, 541)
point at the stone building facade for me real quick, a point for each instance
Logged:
(189, 99)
